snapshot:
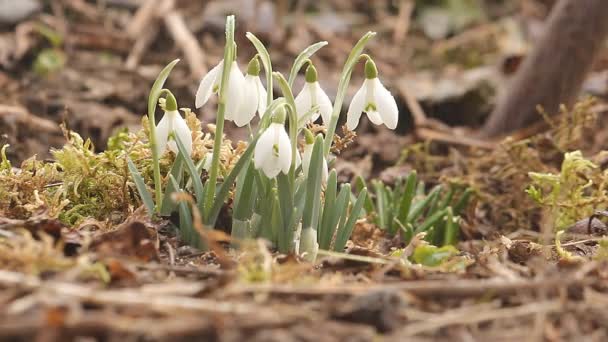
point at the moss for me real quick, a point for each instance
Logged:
(81, 183)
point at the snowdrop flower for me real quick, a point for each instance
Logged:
(272, 152)
(312, 95)
(170, 126)
(211, 83)
(253, 96)
(373, 99)
(307, 154)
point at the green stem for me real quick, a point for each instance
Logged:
(347, 71)
(229, 57)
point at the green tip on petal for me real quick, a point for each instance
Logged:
(171, 102)
(371, 71)
(311, 74)
(309, 137)
(254, 67)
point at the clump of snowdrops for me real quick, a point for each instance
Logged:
(283, 186)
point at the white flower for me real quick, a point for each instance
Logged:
(312, 95)
(211, 83)
(373, 99)
(172, 125)
(306, 155)
(253, 98)
(273, 151)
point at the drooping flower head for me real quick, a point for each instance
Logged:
(307, 155)
(313, 95)
(272, 152)
(253, 97)
(373, 99)
(212, 83)
(172, 125)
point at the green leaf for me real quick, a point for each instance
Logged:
(429, 255)
(229, 180)
(463, 201)
(407, 197)
(266, 62)
(177, 171)
(339, 210)
(146, 198)
(310, 218)
(157, 87)
(195, 177)
(451, 228)
(301, 60)
(243, 196)
(346, 230)
(369, 204)
(418, 207)
(431, 221)
(325, 231)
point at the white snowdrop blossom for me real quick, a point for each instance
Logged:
(272, 152)
(253, 97)
(211, 83)
(373, 99)
(170, 126)
(313, 95)
(306, 155)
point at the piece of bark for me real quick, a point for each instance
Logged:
(555, 70)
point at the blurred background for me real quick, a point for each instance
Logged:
(90, 63)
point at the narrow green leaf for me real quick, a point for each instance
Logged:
(408, 195)
(266, 62)
(301, 59)
(155, 91)
(431, 221)
(463, 201)
(177, 171)
(344, 232)
(229, 180)
(146, 198)
(195, 177)
(369, 206)
(310, 218)
(451, 228)
(244, 193)
(328, 209)
(338, 211)
(418, 207)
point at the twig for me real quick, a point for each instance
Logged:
(406, 7)
(475, 316)
(186, 42)
(124, 297)
(453, 288)
(23, 116)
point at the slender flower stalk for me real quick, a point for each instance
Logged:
(373, 99)
(313, 95)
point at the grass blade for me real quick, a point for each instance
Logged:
(146, 198)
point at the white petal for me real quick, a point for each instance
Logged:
(262, 94)
(234, 94)
(325, 106)
(182, 131)
(306, 154)
(263, 148)
(303, 101)
(207, 161)
(325, 172)
(162, 133)
(374, 117)
(210, 81)
(248, 103)
(386, 105)
(356, 108)
(284, 150)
